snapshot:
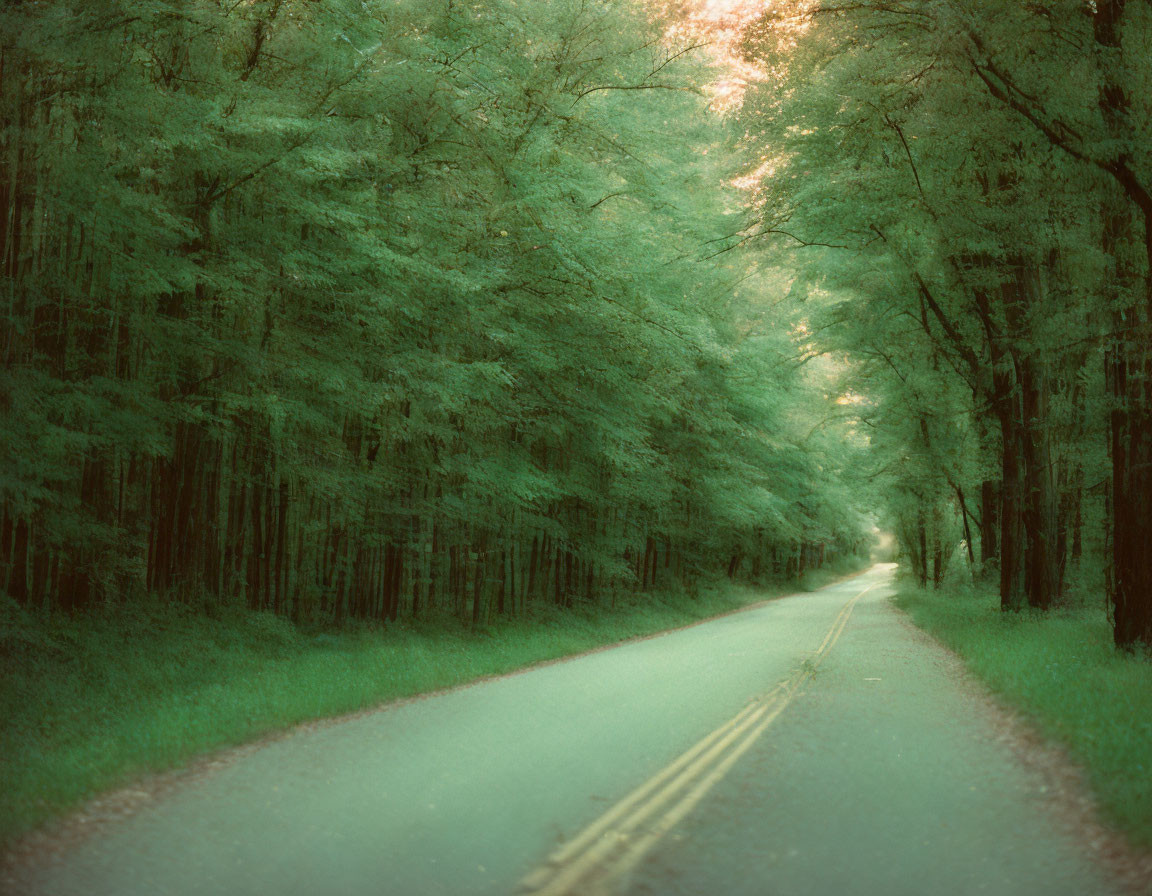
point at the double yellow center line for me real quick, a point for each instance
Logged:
(613, 844)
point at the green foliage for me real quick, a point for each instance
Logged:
(367, 309)
(941, 176)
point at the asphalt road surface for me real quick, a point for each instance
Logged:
(816, 744)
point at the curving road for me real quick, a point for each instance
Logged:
(816, 744)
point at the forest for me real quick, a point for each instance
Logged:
(374, 312)
(1000, 233)
(348, 315)
(359, 311)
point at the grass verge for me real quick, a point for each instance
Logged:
(1062, 672)
(89, 703)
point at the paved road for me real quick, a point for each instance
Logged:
(814, 745)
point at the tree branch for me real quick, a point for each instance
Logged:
(677, 87)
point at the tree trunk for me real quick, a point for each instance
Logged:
(1127, 225)
(922, 542)
(1040, 518)
(989, 523)
(1011, 511)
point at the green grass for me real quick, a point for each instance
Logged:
(90, 703)
(1063, 673)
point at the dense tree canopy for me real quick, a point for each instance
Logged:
(360, 309)
(368, 309)
(969, 181)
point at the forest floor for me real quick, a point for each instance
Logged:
(97, 703)
(1061, 674)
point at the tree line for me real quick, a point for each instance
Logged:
(971, 185)
(361, 310)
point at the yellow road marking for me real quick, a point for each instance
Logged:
(676, 814)
(590, 834)
(604, 850)
(611, 837)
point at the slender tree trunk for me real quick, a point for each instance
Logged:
(1040, 513)
(1012, 594)
(922, 546)
(967, 528)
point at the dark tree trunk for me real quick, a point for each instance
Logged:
(967, 529)
(1128, 223)
(733, 566)
(1131, 444)
(478, 591)
(1040, 518)
(989, 523)
(1078, 515)
(922, 542)
(1011, 513)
